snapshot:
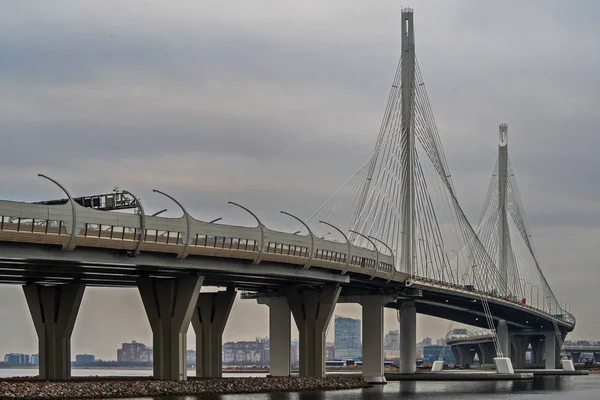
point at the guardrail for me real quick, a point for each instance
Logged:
(71, 226)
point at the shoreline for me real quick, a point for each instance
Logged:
(119, 387)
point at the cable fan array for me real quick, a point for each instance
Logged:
(525, 279)
(445, 246)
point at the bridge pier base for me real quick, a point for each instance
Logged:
(518, 349)
(280, 335)
(312, 310)
(54, 311)
(169, 304)
(372, 330)
(408, 337)
(209, 320)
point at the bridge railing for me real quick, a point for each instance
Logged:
(85, 227)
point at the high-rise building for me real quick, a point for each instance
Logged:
(294, 351)
(190, 357)
(440, 342)
(35, 359)
(17, 359)
(427, 341)
(391, 340)
(347, 338)
(134, 352)
(244, 353)
(432, 353)
(84, 359)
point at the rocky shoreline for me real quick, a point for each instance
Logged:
(105, 387)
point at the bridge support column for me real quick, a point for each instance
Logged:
(456, 355)
(487, 352)
(169, 304)
(54, 311)
(466, 354)
(518, 349)
(312, 310)
(408, 337)
(280, 335)
(551, 351)
(537, 350)
(503, 338)
(372, 330)
(209, 320)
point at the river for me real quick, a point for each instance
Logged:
(546, 388)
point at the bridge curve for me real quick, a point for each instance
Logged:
(105, 237)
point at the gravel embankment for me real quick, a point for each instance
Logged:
(119, 388)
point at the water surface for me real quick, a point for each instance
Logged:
(546, 388)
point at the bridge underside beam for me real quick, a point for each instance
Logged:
(209, 267)
(169, 305)
(209, 320)
(466, 308)
(54, 311)
(312, 310)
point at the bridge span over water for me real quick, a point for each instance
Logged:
(399, 239)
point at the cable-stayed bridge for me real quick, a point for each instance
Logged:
(393, 235)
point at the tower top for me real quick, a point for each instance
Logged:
(503, 134)
(407, 10)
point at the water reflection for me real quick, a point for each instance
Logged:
(552, 388)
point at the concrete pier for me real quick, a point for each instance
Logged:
(169, 304)
(503, 338)
(372, 322)
(518, 349)
(54, 311)
(312, 310)
(408, 337)
(280, 334)
(551, 351)
(209, 320)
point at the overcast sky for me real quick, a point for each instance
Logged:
(275, 103)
